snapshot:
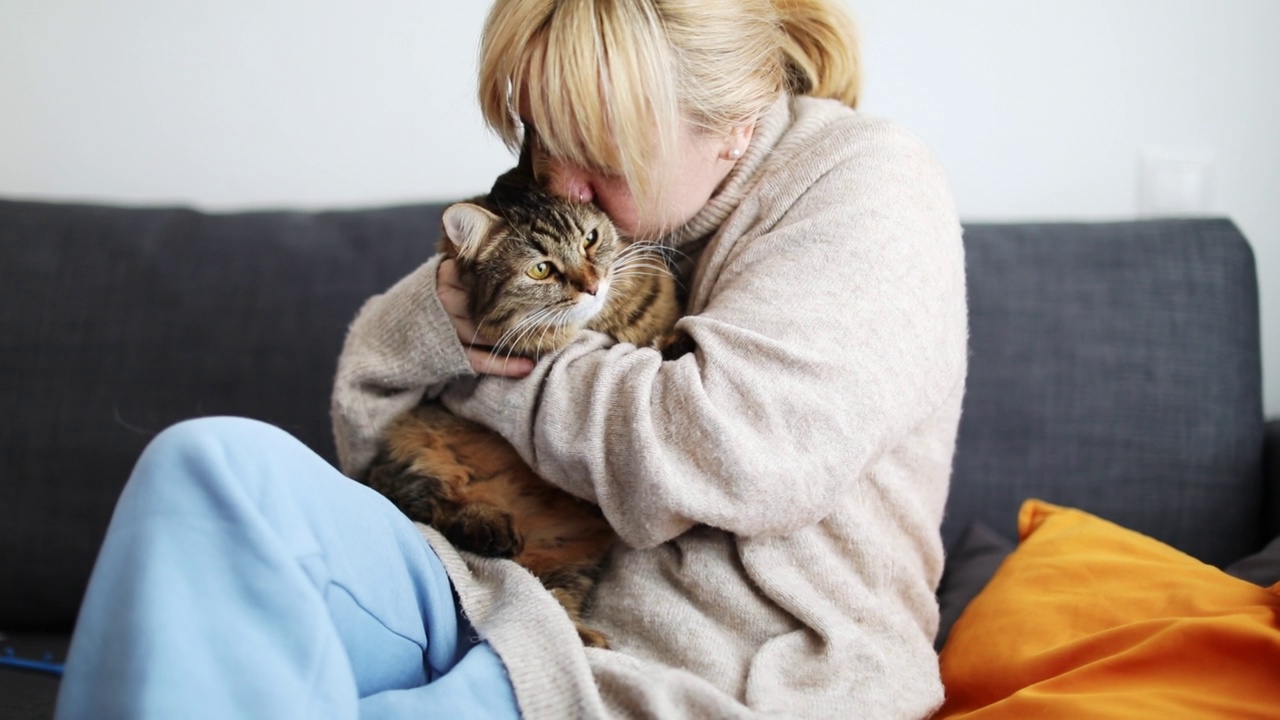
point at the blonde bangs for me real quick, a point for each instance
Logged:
(597, 80)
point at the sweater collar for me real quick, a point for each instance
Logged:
(769, 128)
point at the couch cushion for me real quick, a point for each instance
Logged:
(1087, 619)
(116, 322)
(1115, 368)
(1261, 568)
(970, 566)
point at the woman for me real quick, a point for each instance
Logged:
(778, 490)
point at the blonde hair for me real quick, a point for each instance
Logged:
(607, 83)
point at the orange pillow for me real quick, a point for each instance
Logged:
(1089, 620)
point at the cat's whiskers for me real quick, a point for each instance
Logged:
(544, 319)
(643, 255)
(633, 262)
(479, 326)
(639, 267)
(672, 259)
(653, 248)
(672, 253)
(625, 277)
(538, 321)
(511, 339)
(556, 322)
(528, 328)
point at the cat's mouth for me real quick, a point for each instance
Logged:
(587, 306)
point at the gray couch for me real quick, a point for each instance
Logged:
(1114, 367)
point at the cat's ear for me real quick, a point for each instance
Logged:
(468, 226)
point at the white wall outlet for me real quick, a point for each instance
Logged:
(1174, 184)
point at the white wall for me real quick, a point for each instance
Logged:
(227, 104)
(1039, 110)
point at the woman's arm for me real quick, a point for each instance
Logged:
(401, 346)
(822, 341)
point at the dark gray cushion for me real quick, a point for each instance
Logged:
(1261, 568)
(970, 566)
(1114, 368)
(1271, 480)
(115, 323)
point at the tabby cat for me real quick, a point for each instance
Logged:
(539, 270)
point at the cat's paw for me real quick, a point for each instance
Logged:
(674, 344)
(485, 530)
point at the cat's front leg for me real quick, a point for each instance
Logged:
(420, 497)
(674, 344)
(484, 530)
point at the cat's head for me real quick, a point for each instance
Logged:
(537, 270)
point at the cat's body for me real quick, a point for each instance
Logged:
(539, 270)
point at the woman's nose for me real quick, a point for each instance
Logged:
(571, 183)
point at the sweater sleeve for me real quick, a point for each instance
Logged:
(400, 346)
(827, 330)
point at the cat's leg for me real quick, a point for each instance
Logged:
(439, 470)
(674, 345)
(483, 530)
(479, 528)
(422, 498)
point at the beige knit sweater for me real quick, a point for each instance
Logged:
(778, 492)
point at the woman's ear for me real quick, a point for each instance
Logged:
(737, 141)
(468, 225)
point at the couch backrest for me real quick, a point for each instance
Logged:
(1115, 368)
(117, 322)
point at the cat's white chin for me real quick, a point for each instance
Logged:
(588, 306)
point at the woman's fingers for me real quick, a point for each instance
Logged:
(484, 362)
(453, 297)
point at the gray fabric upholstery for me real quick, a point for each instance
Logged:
(1261, 568)
(1115, 368)
(970, 566)
(117, 322)
(1271, 481)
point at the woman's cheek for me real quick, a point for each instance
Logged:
(622, 213)
(615, 199)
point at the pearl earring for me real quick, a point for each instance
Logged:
(735, 153)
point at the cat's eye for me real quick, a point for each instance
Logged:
(540, 271)
(591, 238)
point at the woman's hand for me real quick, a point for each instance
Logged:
(453, 296)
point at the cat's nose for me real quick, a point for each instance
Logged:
(587, 281)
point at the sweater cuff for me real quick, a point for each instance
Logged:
(421, 348)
